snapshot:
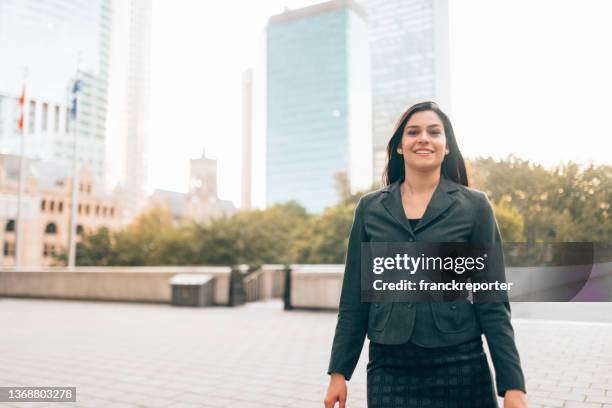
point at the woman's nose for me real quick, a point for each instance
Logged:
(422, 137)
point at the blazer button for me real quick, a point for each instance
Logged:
(453, 307)
(409, 305)
(376, 304)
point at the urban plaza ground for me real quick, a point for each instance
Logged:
(256, 355)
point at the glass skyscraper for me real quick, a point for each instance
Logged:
(409, 42)
(318, 104)
(48, 38)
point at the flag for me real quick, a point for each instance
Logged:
(21, 108)
(74, 96)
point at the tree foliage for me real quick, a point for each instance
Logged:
(565, 204)
(531, 203)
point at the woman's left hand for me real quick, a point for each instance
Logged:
(515, 399)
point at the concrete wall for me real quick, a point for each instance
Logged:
(138, 284)
(320, 286)
(316, 286)
(311, 286)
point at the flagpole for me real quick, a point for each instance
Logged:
(75, 176)
(20, 218)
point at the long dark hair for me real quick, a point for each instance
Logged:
(453, 165)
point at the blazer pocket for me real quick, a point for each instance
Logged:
(379, 315)
(453, 317)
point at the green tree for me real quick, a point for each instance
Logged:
(510, 221)
(94, 249)
(253, 237)
(568, 203)
(142, 242)
(324, 238)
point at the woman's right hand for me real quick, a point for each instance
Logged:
(336, 391)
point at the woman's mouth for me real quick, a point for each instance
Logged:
(423, 152)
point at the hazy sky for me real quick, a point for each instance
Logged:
(533, 78)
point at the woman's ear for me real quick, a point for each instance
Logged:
(399, 151)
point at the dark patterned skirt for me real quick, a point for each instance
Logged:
(407, 375)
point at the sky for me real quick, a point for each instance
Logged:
(530, 78)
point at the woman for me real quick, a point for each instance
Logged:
(424, 354)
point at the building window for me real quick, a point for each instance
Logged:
(32, 117)
(104, 211)
(97, 209)
(51, 206)
(10, 226)
(9, 249)
(51, 228)
(89, 188)
(112, 211)
(87, 209)
(67, 120)
(17, 115)
(1, 116)
(48, 250)
(56, 119)
(79, 229)
(60, 206)
(43, 204)
(45, 116)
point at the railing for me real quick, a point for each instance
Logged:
(267, 282)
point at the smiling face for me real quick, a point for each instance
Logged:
(423, 143)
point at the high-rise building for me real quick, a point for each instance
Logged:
(44, 42)
(318, 104)
(139, 77)
(409, 42)
(247, 139)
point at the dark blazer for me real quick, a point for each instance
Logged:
(455, 213)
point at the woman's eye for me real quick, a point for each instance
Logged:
(412, 133)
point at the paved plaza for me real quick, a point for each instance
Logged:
(257, 355)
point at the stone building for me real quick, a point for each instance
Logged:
(201, 203)
(46, 208)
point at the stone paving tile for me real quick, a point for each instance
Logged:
(144, 355)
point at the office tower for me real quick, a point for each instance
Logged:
(247, 139)
(409, 42)
(318, 104)
(139, 68)
(49, 39)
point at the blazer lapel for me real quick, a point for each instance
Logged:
(393, 203)
(440, 201)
